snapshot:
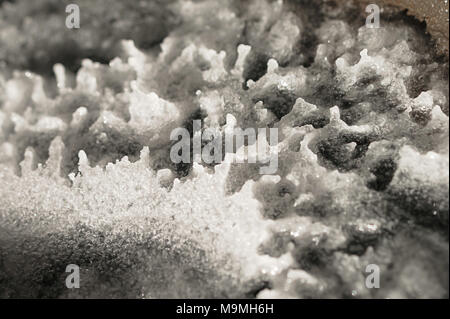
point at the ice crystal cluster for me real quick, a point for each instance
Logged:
(86, 177)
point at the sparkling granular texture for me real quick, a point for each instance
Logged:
(86, 176)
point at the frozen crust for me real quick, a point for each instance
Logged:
(86, 176)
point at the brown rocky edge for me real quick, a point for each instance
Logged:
(433, 12)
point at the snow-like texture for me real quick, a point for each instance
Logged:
(86, 176)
